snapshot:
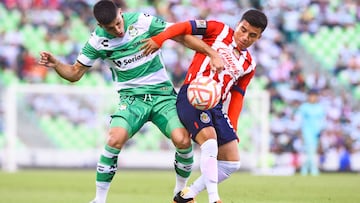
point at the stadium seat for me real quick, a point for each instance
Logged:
(8, 77)
(356, 92)
(1, 140)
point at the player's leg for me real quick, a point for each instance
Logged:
(228, 157)
(307, 148)
(184, 157)
(166, 118)
(228, 163)
(228, 160)
(208, 166)
(313, 158)
(120, 132)
(208, 161)
(199, 124)
(228, 153)
(107, 164)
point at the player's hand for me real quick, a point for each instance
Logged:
(47, 59)
(149, 46)
(216, 63)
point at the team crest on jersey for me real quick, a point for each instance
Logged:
(133, 31)
(204, 117)
(123, 107)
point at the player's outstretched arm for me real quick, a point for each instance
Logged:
(149, 46)
(181, 32)
(194, 43)
(69, 72)
(176, 30)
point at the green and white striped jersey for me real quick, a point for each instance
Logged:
(132, 72)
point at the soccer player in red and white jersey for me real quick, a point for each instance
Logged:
(215, 129)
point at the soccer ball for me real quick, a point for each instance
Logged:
(204, 93)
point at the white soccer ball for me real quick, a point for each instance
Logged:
(204, 93)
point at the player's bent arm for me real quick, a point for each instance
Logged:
(182, 32)
(174, 30)
(69, 72)
(237, 98)
(235, 107)
(194, 43)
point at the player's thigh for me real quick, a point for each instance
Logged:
(164, 114)
(229, 151)
(194, 120)
(131, 115)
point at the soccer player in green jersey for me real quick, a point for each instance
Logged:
(146, 92)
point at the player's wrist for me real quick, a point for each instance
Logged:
(57, 64)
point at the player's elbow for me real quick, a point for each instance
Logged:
(73, 78)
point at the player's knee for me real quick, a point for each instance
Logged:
(117, 137)
(181, 139)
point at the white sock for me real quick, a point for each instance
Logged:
(183, 166)
(180, 183)
(225, 169)
(102, 189)
(209, 168)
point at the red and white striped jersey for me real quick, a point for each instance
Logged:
(239, 65)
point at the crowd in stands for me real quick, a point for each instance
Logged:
(28, 26)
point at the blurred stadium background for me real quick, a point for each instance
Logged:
(48, 122)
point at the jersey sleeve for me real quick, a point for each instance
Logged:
(237, 98)
(89, 54)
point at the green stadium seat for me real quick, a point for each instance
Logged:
(9, 77)
(52, 78)
(2, 140)
(97, 79)
(54, 46)
(356, 93)
(343, 78)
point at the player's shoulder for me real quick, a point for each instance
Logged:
(99, 32)
(136, 15)
(215, 23)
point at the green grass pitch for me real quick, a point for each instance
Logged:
(78, 186)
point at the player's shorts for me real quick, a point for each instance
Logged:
(194, 119)
(135, 110)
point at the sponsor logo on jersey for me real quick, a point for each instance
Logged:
(232, 64)
(136, 57)
(129, 60)
(105, 43)
(204, 117)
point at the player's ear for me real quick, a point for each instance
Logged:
(119, 11)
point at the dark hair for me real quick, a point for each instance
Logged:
(313, 91)
(255, 18)
(105, 11)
